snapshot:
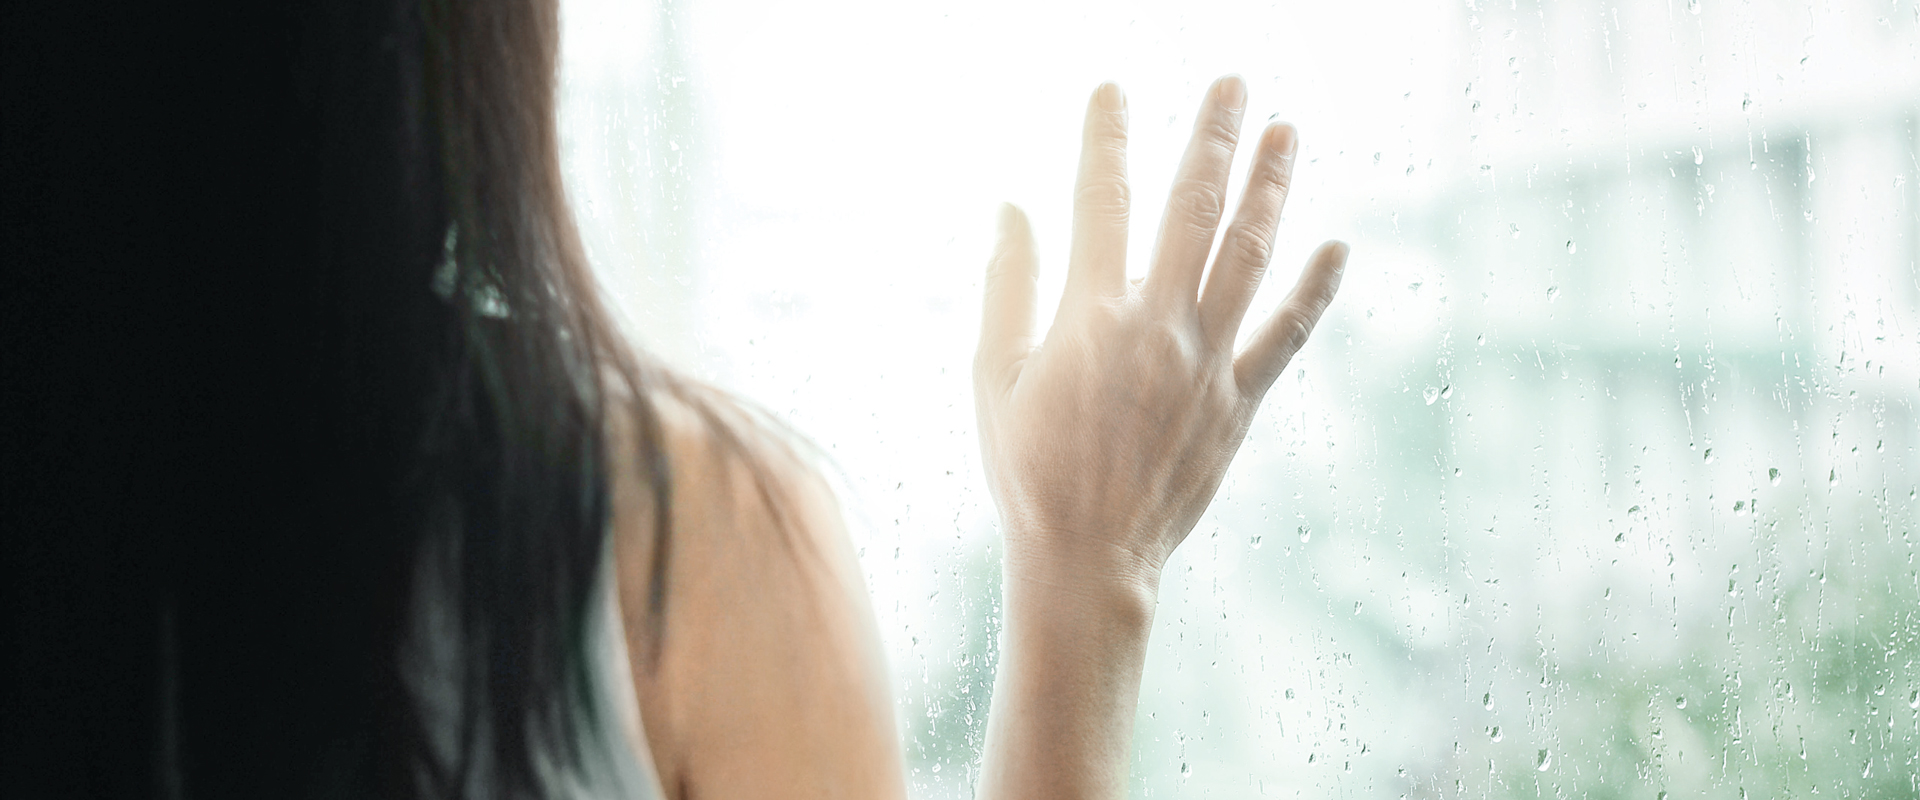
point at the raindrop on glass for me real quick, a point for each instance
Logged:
(1708, 456)
(1543, 761)
(1746, 101)
(1680, 702)
(1773, 475)
(1693, 6)
(1186, 770)
(1486, 701)
(1430, 394)
(1515, 227)
(1495, 734)
(1305, 533)
(1254, 542)
(1698, 156)
(1571, 247)
(1553, 293)
(1913, 699)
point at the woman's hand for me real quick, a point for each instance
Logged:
(1105, 443)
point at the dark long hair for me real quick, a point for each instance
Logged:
(311, 337)
(509, 493)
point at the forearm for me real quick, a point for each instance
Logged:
(1105, 439)
(1061, 720)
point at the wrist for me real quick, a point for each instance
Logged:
(1078, 582)
(1074, 647)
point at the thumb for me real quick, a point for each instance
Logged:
(1006, 324)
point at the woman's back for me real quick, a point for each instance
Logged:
(762, 675)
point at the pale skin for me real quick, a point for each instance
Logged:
(1103, 443)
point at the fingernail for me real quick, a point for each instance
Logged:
(1282, 137)
(1110, 98)
(1009, 218)
(1231, 92)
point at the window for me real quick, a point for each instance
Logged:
(1599, 479)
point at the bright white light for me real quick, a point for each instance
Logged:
(1551, 205)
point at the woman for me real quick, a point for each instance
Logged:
(420, 523)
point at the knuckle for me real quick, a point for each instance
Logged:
(1253, 248)
(1316, 305)
(1297, 331)
(1198, 201)
(1001, 268)
(1220, 130)
(1167, 344)
(997, 268)
(1107, 152)
(1105, 196)
(1280, 180)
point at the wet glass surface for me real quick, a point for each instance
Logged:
(1598, 480)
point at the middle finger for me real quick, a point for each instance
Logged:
(1199, 197)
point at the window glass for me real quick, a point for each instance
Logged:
(1598, 480)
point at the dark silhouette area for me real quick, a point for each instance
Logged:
(296, 317)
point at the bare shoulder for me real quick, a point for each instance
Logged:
(757, 662)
